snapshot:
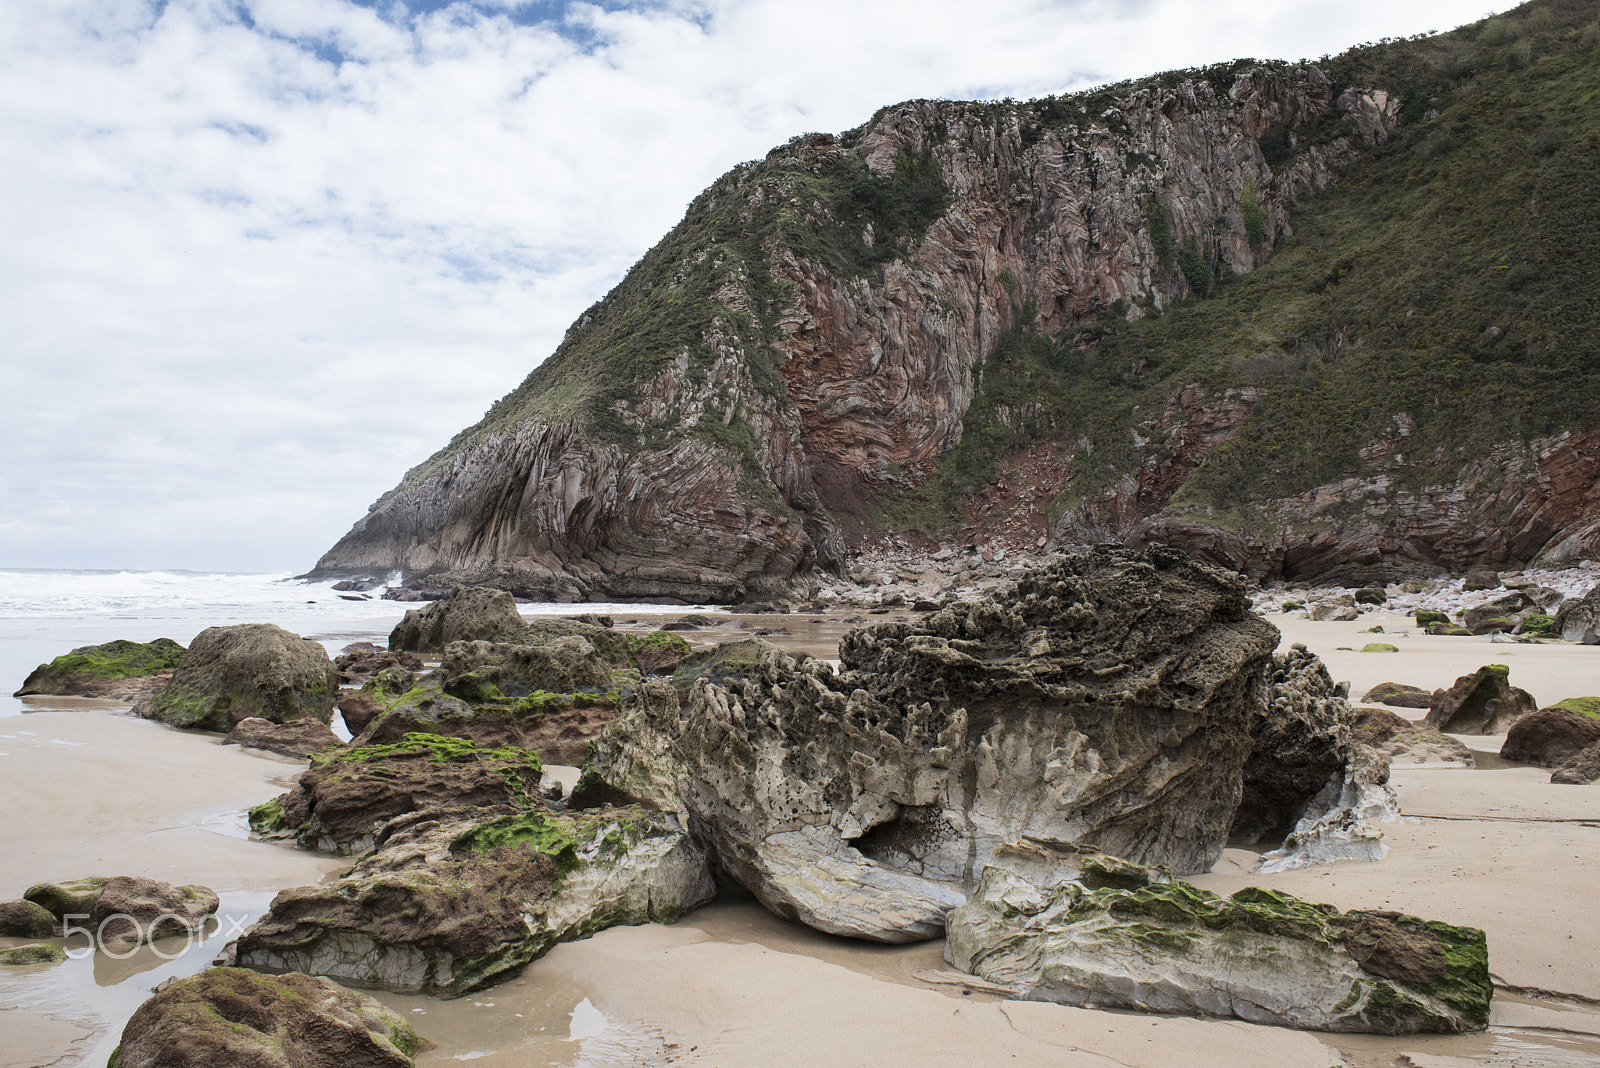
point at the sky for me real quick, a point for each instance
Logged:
(260, 257)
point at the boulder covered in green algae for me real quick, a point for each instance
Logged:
(35, 953)
(349, 795)
(449, 903)
(120, 670)
(236, 1017)
(1260, 955)
(26, 919)
(74, 898)
(249, 670)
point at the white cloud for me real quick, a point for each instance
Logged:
(257, 258)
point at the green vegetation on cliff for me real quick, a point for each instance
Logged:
(1448, 276)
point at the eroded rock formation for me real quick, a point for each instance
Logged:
(818, 324)
(1106, 701)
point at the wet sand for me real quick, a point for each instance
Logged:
(90, 792)
(93, 792)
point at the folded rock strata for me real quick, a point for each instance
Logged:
(1106, 701)
(1260, 955)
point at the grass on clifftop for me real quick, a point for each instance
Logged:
(1450, 276)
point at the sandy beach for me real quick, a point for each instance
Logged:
(1498, 847)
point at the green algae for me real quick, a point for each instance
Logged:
(1583, 706)
(117, 659)
(1379, 647)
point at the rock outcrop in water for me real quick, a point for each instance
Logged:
(125, 911)
(229, 674)
(1107, 701)
(235, 1017)
(1260, 955)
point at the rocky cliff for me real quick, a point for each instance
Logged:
(870, 332)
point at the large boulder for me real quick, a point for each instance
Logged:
(467, 886)
(1580, 621)
(1550, 737)
(298, 738)
(726, 661)
(659, 652)
(132, 910)
(1483, 702)
(1395, 740)
(1260, 955)
(470, 613)
(119, 670)
(230, 674)
(241, 1019)
(1105, 700)
(26, 919)
(487, 671)
(348, 796)
(1502, 613)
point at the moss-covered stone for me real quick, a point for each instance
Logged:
(1583, 706)
(452, 901)
(1379, 647)
(232, 1016)
(229, 674)
(1261, 955)
(26, 919)
(1427, 618)
(71, 672)
(71, 898)
(37, 953)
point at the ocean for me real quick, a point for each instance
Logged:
(44, 613)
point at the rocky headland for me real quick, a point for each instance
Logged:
(1186, 310)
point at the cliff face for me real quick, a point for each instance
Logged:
(715, 481)
(870, 333)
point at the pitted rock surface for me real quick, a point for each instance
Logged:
(1105, 701)
(229, 674)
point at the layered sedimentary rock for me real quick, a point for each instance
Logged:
(1106, 701)
(1260, 955)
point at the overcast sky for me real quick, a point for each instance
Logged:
(258, 257)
